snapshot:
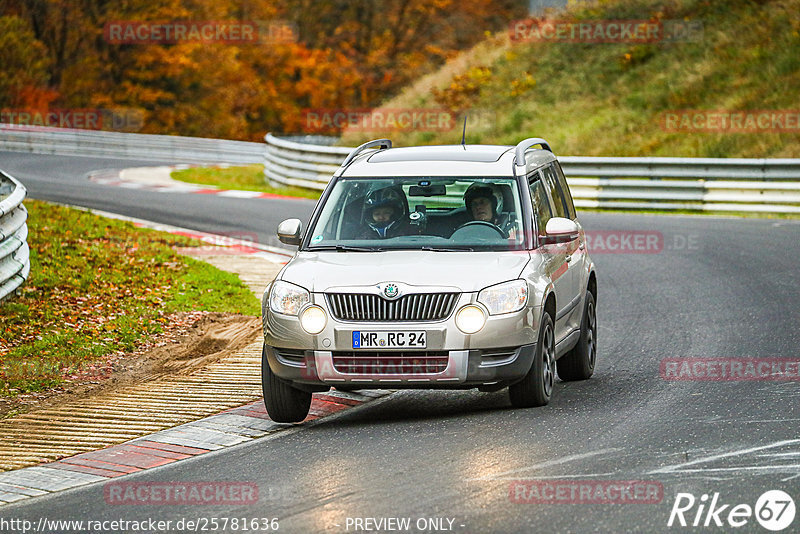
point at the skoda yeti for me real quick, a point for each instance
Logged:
(453, 267)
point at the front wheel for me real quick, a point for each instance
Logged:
(284, 403)
(537, 386)
(578, 363)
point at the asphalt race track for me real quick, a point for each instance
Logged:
(63, 179)
(716, 288)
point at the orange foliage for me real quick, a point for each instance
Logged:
(345, 55)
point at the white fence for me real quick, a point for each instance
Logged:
(119, 145)
(703, 184)
(15, 264)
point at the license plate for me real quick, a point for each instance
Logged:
(389, 340)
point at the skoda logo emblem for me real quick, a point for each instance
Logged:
(391, 291)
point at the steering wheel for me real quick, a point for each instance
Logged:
(483, 224)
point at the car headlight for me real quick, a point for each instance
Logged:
(313, 319)
(470, 319)
(507, 297)
(287, 298)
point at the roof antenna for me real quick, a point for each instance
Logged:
(464, 133)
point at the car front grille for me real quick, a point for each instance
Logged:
(390, 363)
(413, 307)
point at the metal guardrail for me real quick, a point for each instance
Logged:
(701, 184)
(119, 145)
(15, 264)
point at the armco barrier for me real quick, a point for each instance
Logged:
(119, 145)
(15, 264)
(702, 184)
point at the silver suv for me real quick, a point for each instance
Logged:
(433, 267)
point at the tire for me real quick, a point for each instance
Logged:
(578, 363)
(537, 386)
(284, 403)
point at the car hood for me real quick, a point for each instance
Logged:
(465, 271)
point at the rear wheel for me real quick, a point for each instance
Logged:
(578, 363)
(537, 386)
(285, 404)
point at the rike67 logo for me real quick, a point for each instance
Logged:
(774, 510)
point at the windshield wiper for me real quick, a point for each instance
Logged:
(347, 248)
(448, 249)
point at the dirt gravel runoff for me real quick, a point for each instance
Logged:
(202, 364)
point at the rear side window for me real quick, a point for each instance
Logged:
(541, 204)
(562, 184)
(555, 192)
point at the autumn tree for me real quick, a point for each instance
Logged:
(346, 54)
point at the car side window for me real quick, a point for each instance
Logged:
(566, 194)
(558, 202)
(541, 204)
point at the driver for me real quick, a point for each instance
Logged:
(384, 214)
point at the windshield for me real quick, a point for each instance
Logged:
(423, 212)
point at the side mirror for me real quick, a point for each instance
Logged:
(561, 230)
(289, 231)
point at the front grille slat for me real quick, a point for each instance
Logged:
(437, 307)
(373, 308)
(430, 306)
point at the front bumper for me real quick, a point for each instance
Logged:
(464, 368)
(502, 351)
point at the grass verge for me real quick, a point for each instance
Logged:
(244, 178)
(612, 99)
(97, 287)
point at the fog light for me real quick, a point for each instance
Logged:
(313, 319)
(470, 319)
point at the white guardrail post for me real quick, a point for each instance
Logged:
(15, 263)
(700, 184)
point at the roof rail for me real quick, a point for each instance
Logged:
(382, 143)
(522, 146)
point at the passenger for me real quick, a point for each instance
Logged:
(384, 214)
(485, 204)
(482, 203)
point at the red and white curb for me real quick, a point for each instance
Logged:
(226, 429)
(164, 184)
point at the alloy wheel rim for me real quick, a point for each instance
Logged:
(548, 355)
(591, 337)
